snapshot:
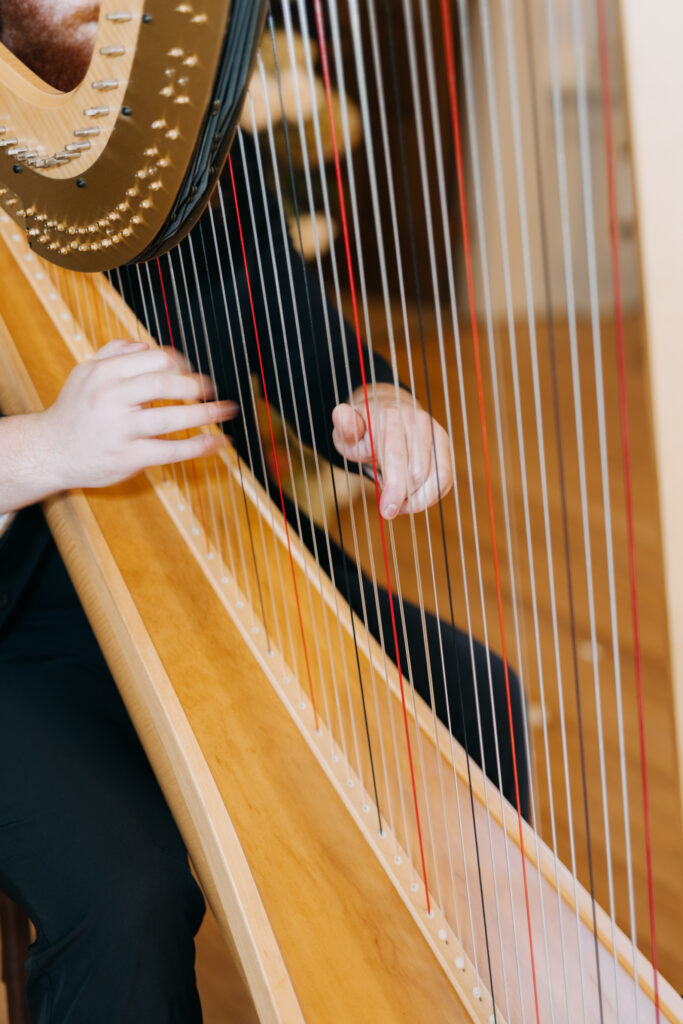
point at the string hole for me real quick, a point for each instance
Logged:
(460, 963)
(335, 758)
(414, 886)
(476, 992)
(349, 783)
(318, 731)
(285, 679)
(240, 604)
(255, 630)
(271, 653)
(224, 579)
(209, 554)
(366, 808)
(302, 704)
(195, 531)
(398, 860)
(430, 914)
(443, 934)
(181, 508)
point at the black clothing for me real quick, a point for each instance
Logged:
(87, 845)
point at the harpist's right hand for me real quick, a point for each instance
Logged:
(103, 429)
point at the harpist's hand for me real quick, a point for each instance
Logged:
(412, 450)
(102, 429)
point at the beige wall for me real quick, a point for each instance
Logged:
(566, 75)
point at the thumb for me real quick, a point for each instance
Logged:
(349, 434)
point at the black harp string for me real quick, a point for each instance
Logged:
(181, 261)
(238, 384)
(280, 405)
(369, 134)
(227, 428)
(294, 502)
(373, 180)
(328, 445)
(254, 412)
(499, 396)
(341, 328)
(407, 195)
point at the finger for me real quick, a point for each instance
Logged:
(159, 452)
(165, 385)
(118, 347)
(394, 465)
(419, 441)
(439, 481)
(148, 360)
(441, 461)
(169, 419)
(350, 436)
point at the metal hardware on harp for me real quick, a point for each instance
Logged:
(405, 655)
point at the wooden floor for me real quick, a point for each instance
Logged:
(520, 629)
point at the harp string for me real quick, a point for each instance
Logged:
(416, 281)
(512, 342)
(228, 473)
(297, 513)
(491, 510)
(347, 368)
(526, 260)
(250, 457)
(626, 458)
(417, 106)
(587, 180)
(272, 441)
(368, 136)
(328, 336)
(316, 460)
(182, 470)
(171, 337)
(328, 92)
(212, 375)
(578, 417)
(268, 574)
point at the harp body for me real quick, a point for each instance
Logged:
(326, 913)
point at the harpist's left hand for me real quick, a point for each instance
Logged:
(412, 450)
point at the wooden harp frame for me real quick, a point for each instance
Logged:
(246, 855)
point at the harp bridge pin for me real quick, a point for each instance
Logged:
(8, 142)
(120, 16)
(85, 132)
(105, 84)
(96, 111)
(112, 51)
(17, 150)
(77, 147)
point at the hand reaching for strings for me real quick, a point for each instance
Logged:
(103, 428)
(412, 450)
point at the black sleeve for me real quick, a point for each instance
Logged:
(242, 318)
(292, 316)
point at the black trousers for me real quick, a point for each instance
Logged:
(87, 844)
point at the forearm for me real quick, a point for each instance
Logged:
(28, 472)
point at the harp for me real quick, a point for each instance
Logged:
(361, 864)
